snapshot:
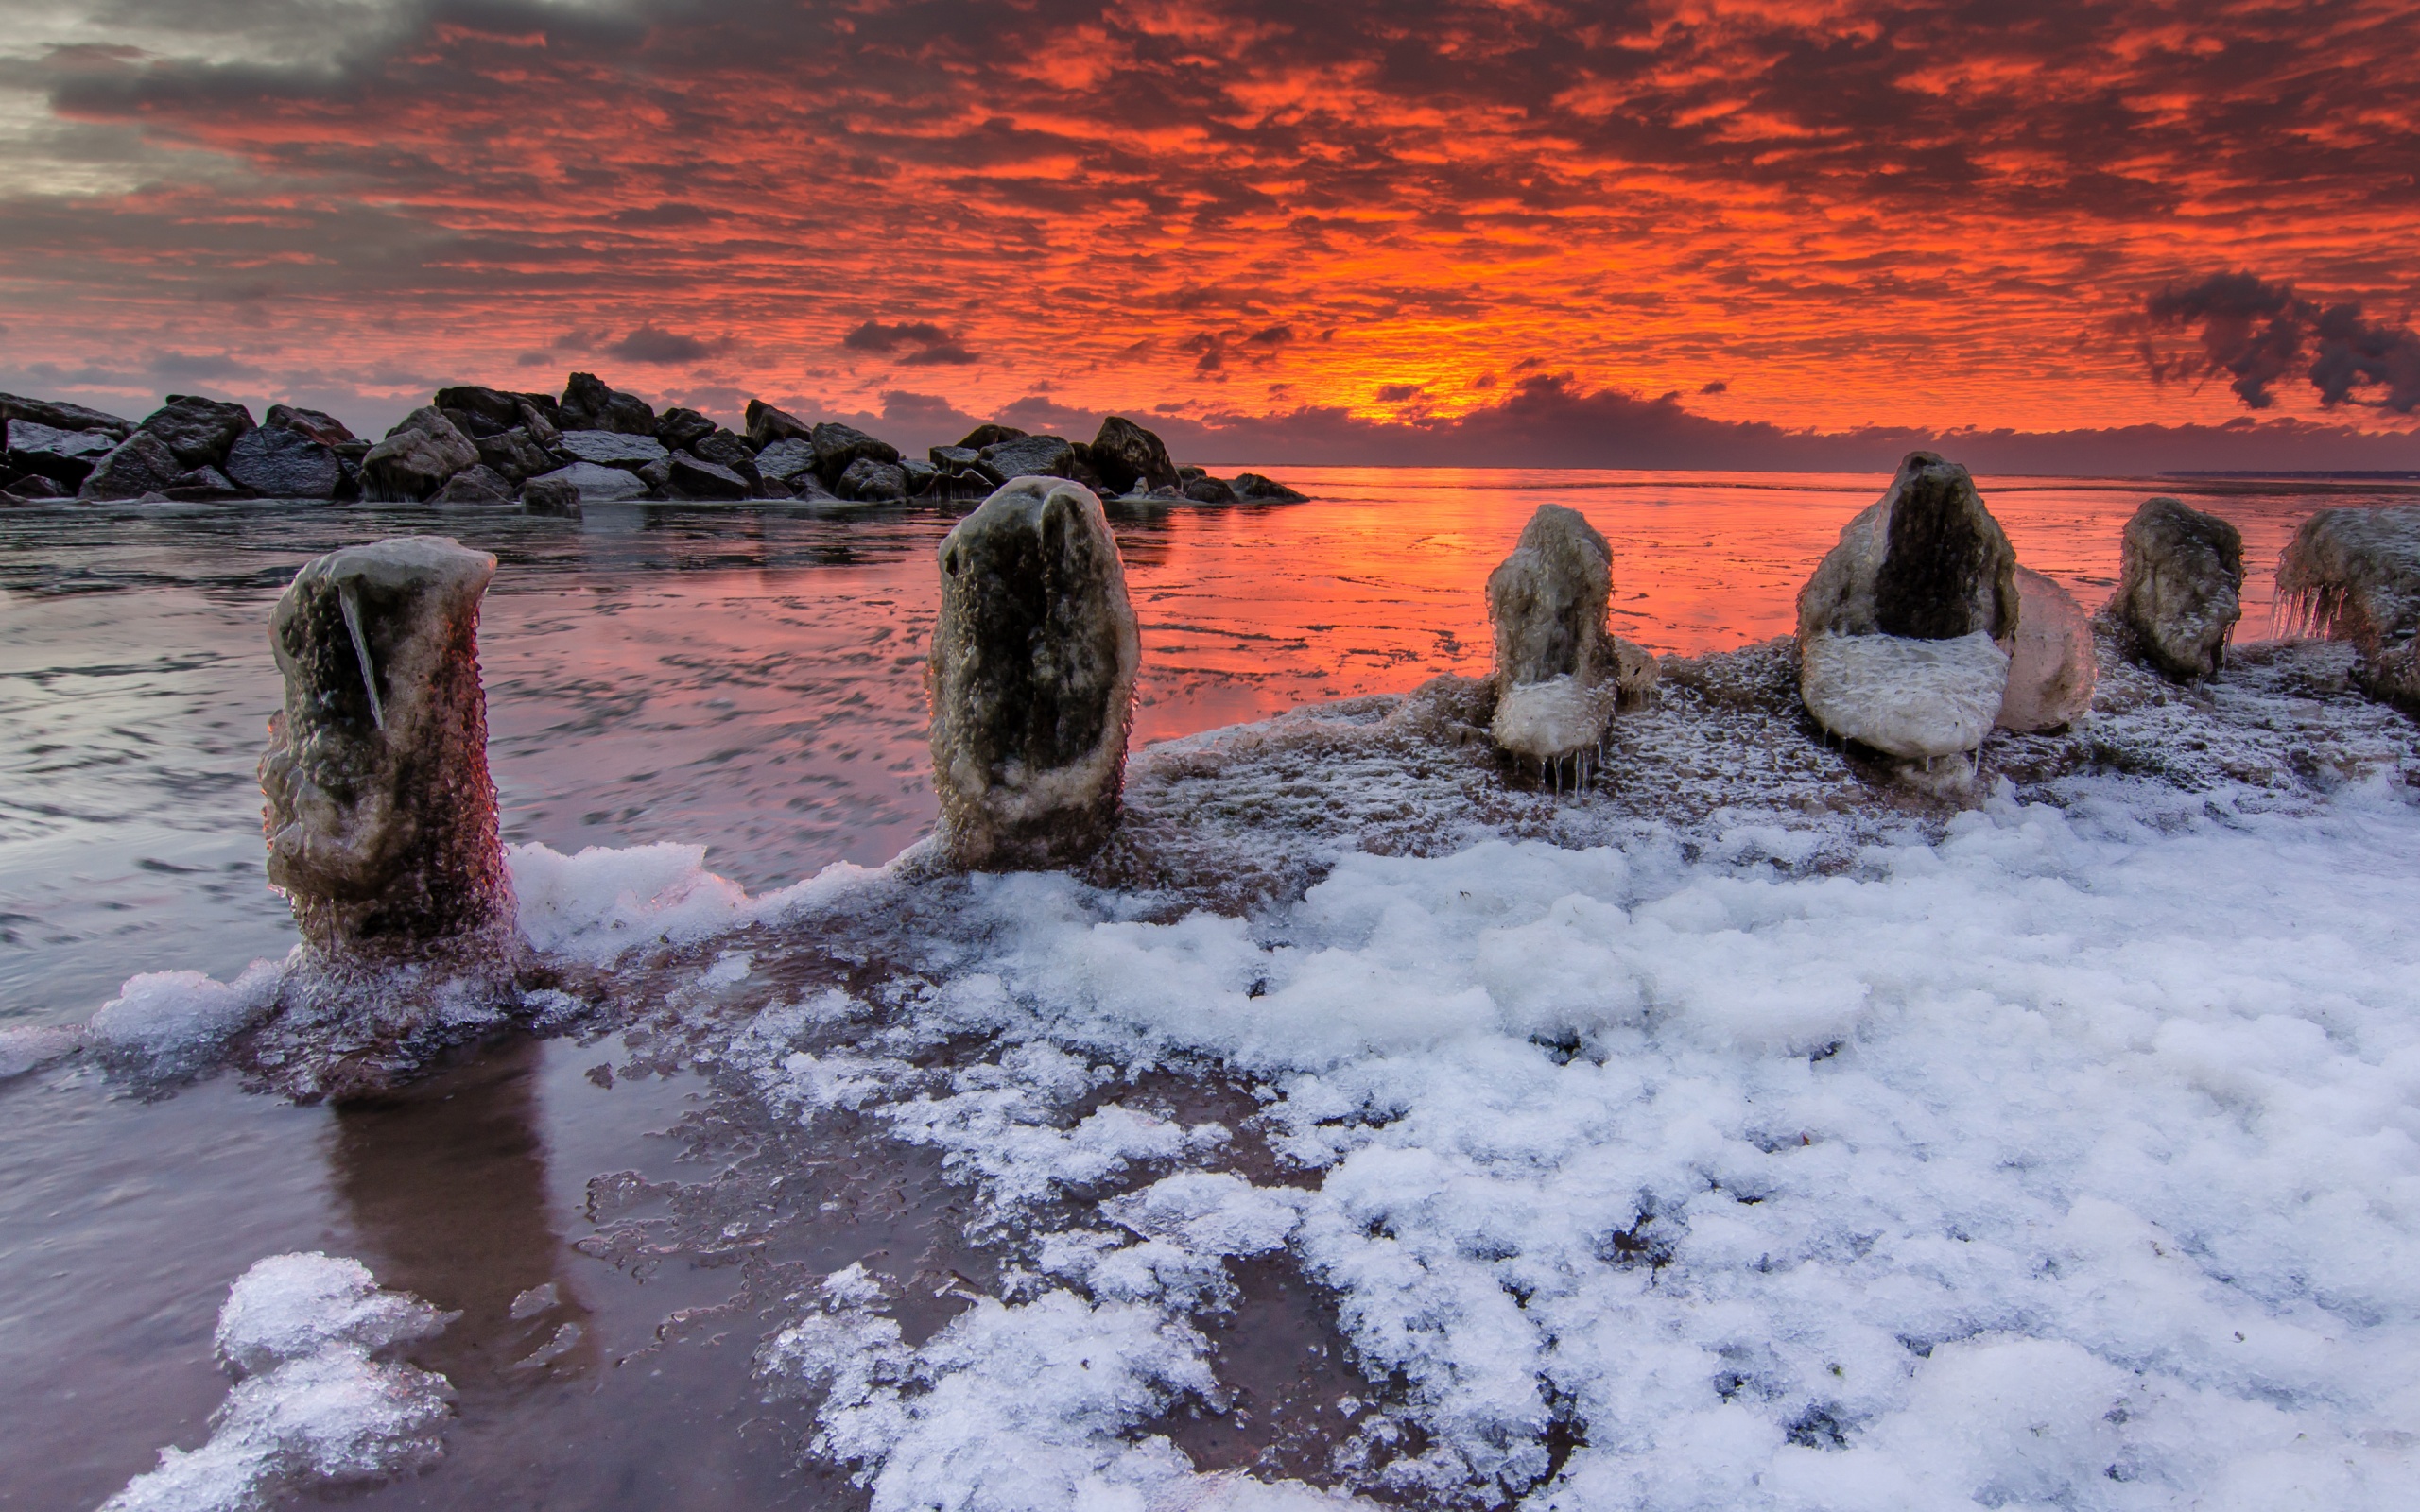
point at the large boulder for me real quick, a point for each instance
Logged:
(784, 459)
(1904, 627)
(64, 457)
(989, 434)
(205, 485)
(2050, 668)
(476, 483)
(416, 458)
(723, 449)
(141, 464)
(1207, 490)
(279, 463)
(592, 482)
(868, 481)
(516, 455)
(199, 431)
(589, 404)
(381, 816)
(1027, 457)
(836, 446)
(689, 476)
(478, 412)
(679, 430)
(31, 488)
(1555, 670)
(318, 424)
(2354, 574)
(1126, 456)
(767, 424)
(61, 416)
(1032, 677)
(551, 495)
(2180, 586)
(611, 448)
(1256, 488)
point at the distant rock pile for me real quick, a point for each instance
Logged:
(546, 454)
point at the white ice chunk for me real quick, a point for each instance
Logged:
(1910, 698)
(175, 1021)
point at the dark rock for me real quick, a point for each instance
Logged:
(725, 450)
(836, 446)
(199, 431)
(808, 489)
(955, 460)
(921, 476)
(416, 458)
(476, 483)
(657, 477)
(682, 429)
(693, 477)
(785, 459)
(141, 464)
(767, 426)
(32, 487)
(1027, 457)
(1031, 679)
(611, 448)
(515, 455)
(278, 462)
(538, 420)
(1207, 490)
(868, 481)
(983, 436)
(1186, 474)
(381, 816)
(1124, 455)
(593, 482)
(1260, 489)
(588, 405)
(491, 409)
(2180, 586)
(550, 495)
(204, 485)
(323, 428)
(2354, 574)
(65, 457)
(765, 487)
(60, 416)
(1927, 562)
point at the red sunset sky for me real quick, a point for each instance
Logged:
(1662, 233)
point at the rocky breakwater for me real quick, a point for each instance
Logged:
(547, 454)
(2354, 575)
(1032, 678)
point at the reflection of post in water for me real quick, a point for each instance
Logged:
(446, 1181)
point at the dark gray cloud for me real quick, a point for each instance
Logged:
(2259, 333)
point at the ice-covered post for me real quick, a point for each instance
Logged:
(381, 816)
(1555, 671)
(2354, 574)
(1031, 679)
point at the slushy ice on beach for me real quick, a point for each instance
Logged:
(1039, 756)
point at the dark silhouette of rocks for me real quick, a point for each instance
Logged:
(198, 431)
(1207, 490)
(1127, 456)
(989, 434)
(2180, 586)
(836, 446)
(693, 477)
(1259, 490)
(767, 424)
(679, 430)
(278, 462)
(141, 464)
(416, 458)
(868, 481)
(478, 412)
(588, 405)
(323, 428)
(724, 449)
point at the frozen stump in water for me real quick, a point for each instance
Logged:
(1032, 679)
(1905, 627)
(2354, 575)
(381, 816)
(2180, 587)
(1557, 672)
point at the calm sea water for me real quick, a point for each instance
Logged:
(751, 679)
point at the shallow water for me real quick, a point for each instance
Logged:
(746, 678)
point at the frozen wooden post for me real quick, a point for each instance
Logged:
(1032, 678)
(381, 816)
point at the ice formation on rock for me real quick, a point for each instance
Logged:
(2052, 667)
(1556, 670)
(2180, 586)
(1032, 678)
(2354, 574)
(1895, 623)
(316, 1401)
(381, 816)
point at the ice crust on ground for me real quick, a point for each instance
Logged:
(315, 1402)
(175, 1023)
(602, 904)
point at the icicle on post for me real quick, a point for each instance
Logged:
(381, 816)
(1031, 679)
